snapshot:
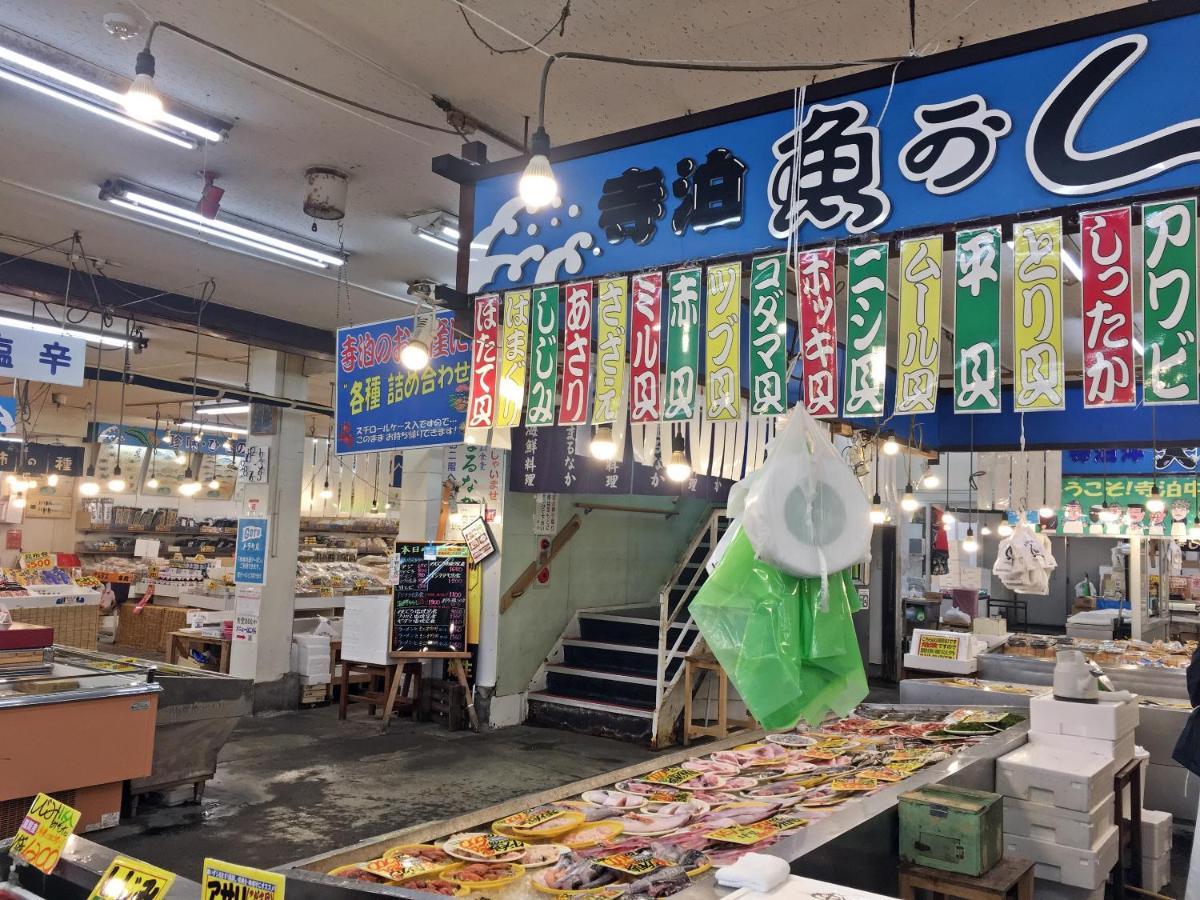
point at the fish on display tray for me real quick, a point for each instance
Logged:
(777, 790)
(792, 739)
(543, 855)
(653, 792)
(475, 846)
(593, 833)
(712, 767)
(705, 782)
(691, 807)
(640, 823)
(740, 783)
(615, 799)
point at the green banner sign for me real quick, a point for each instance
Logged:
(543, 356)
(977, 321)
(768, 335)
(866, 330)
(683, 344)
(1116, 505)
(1169, 329)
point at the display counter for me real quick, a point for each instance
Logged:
(1160, 721)
(77, 727)
(862, 826)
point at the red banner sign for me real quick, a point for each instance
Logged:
(818, 330)
(1108, 362)
(645, 401)
(481, 409)
(577, 354)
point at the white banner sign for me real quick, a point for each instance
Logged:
(41, 356)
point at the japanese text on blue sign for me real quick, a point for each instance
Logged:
(250, 565)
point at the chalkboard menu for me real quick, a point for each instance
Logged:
(430, 605)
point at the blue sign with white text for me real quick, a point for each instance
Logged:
(383, 406)
(250, 563)
(1132, 461)
(1081, 122)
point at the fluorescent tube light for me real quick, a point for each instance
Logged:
(134, 198)
(435, 238)
(451, 232)
(206, 426)
(21, 66)
(92, 337)
(215, 410)
(9, 439)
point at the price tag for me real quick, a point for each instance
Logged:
(39, 559)
(670, 776)
(43, 833)
(226, 881)
(132, 879)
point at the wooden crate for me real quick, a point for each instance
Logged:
(444, 702)
(75, 625)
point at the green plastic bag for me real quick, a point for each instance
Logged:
(788, 657)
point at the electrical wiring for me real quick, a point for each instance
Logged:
(560, 25)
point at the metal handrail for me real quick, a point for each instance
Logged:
(666, 615)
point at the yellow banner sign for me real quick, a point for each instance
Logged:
(42, 835)
(722, 365)
(1039, 377)
(919, 341)
(514, 352)
(226, 881)
(132, 879)
(612, 337)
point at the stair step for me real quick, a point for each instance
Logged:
(611, 657)
(640, 712)
(600, 685)
(605, 674)
(625, 629)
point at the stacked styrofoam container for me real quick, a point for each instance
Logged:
(1059, 806)
(310, 658)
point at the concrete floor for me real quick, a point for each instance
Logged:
(298, 784)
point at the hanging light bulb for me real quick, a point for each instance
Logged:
(1155, 503)
(538, 186)
(930, 479)
(679, 469)
(1004, 529)
(984, 530)
(1194, 531)
(890, 446)
(52, 479)
(142, 101)
(878, 513)
(908, 502)
(970, 545)
(152, 483)
(1046, 512)
(31, 483)
(19, 501)
(374, 504)
(88, 487)
(948, 518)
(602, 446)
(116, 484)
(227, 445)
(388, 505)
(214, 484)
(190, 486)
(326, 492)
(415, 355)
(1108, 514)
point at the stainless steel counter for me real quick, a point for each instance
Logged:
(1150, 681)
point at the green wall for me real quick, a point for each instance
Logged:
(616, 558)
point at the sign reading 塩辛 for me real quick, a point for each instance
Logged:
(383, 406)
(41, 356)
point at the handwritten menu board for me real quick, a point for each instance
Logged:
(430, 597)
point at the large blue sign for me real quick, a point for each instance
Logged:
(1080, 122)
(1132, 461)
(250, 556)
(383, 406)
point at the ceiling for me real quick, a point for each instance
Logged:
(395, 55)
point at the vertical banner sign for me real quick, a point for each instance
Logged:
(1107, 319)
(1038, 367)
(250, 554)
(919, 336)
(818, 330)
(577, 354)
(1169, 328)
(514, 351)
(481, 409)
(683, 344)
(768, 335)
(866, 330)
(612, 337)
(645, 325)
(722, 361)
(977, 320)
(543, 356)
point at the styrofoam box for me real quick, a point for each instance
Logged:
(1156, 833)
(1109, 718)
(1046, 775)
(1120, 750)
(1068, 827)
(315, 679)
(1080, 868)
(1156, 871)
(932, 664)
(1143, 759)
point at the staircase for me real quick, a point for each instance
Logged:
(616, 671)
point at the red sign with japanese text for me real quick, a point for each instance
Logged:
(577, 354)
(481, 409)
(645, 321)
(1108, 360)
(818, 330)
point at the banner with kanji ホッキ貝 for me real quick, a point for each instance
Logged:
(381, 405)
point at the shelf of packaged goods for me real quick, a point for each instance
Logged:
(309, 529)
(42, 596)
(152, 532)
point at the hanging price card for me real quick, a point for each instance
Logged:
(42, 835)
(132, 879)
(225, 881)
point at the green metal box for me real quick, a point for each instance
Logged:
(950, 828)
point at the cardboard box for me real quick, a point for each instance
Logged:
(1068, 827)
(1119, 750)
(1086, 869)
(1046, 775)
(1109, 719)
(1156, 833)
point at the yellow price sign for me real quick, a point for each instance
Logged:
(937, 647)
(43, 833)
(226, 881)
(132, 879)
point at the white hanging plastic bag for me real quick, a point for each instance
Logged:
(805, 512)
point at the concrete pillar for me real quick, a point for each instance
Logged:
(421, 493)
(268, 660)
